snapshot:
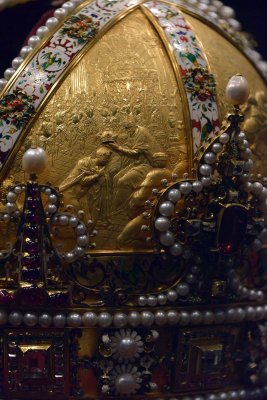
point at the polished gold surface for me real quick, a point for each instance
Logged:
(225, 60)
(255, 126)
(114, 130)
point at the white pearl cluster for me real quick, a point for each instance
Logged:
(53, 199)
(180, 291)
(41, 33)
(241, 394)
(11, 199)
(242, 291)
(82, 237)
(166, 209)
(144, 318)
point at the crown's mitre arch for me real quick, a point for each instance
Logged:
(128, 101)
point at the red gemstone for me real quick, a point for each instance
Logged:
(32, 296)
(232, 226)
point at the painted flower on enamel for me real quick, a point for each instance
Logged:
(80, 27)
(126, 345)
(16, 108)
(200, 83)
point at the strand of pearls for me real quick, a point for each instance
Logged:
(241, 394)
(41, 33)
(144, 318)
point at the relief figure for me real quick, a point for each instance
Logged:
(88, 187)
(137, 161)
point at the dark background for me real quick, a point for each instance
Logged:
(17, 22)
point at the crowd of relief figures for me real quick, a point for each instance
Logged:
(114, 130)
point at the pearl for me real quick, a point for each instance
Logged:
(174, 195)
(195, 317)
(152, 300)
(3, 317)
(263, 194)
(89, 319)
(172, 317)
(51, 208)
(142, 301)
(237, 90)
(134, 318)
(210, 158)
(257, 188)
(231, 315)
(205, 169)
(83, 240)
(226, 12)
(34, 160)
(17, 62)
(69, 6)
(246, 154)
(42, 31)
(52, 198)
(26, 50)
(197, 186)
(80, 230)
(60, 13)
(257, 245)
(217, 3)
(11, 197)
(260, 312)
(30, 319)
(120, 320)
(79, 251)
(59, 320)
(235, 25)
(216, 148)
(250, 313)
(104, 319)
(182, 289)
(33, 41)
(74, 319)
(166, 208)
(206, 181)
(3, 83)
(9, 72)
(167, 238)
(219, 317)
(73, 221)
(240, 314)
(185, 188)
(127, 348)
(171, 295)
(224, 138)
(45, 320)
(248, 165)
(69, 257)
(162, 299)
(147, 318)
(10, 207)
(263, 66)
(176, 249)
(160, 318)
(208, 317)
(184, 318)
(51, 22)
(125, 383)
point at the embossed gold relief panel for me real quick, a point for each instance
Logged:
(114, 130)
